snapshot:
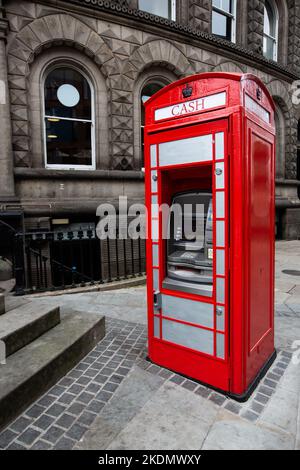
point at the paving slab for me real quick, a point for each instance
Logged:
(287, 331)
(282, 411)
(131, 396)
(163, 424)
(291, 379)
(231, 432)
(284, 285)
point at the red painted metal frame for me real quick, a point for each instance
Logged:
(241, 365)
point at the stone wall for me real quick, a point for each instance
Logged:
(200, 15)
(294, 35)
(120, 53)
(256, 25)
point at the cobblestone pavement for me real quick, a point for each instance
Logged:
(60, 418)
(115, 399)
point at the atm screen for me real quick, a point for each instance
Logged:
(190, 244)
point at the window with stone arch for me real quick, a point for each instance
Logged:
(280, 141)
(271, 27)
(298, 156)
(149, 88)
(69, 119)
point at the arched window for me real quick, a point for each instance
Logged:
(298, 157)
(148, 90)
(280, 142)
(164, 8)
(68, 120)
(224, 19)
(271, 30)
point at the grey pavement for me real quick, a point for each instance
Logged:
(115, 399)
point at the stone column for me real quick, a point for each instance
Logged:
(199, 15)
(294, 36)
(256, 25)
(7, 185)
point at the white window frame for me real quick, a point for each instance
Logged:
(229, 15)
(173, 11)
(274, 7)
(49, 166)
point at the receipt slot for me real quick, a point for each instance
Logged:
(209, 154)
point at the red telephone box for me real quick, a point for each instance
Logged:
(210, 144)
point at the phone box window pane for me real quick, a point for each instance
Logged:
(189, 336)
(153, 153)
(220, 146)
(220, 209)
(193, 150)
(220, 346)
(155, 279)
(155, 255)
(220, 262)
(155, 206)
(156, 327)
(154, 181)
(155, 230)
(220, 176)
(188, 311)
(220, 318)
(221, 291)
(220, 233)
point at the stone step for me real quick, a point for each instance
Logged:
(31, 371)
(11, 302)
(24, 324)
(2, 304)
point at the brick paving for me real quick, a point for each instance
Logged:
(61, 417)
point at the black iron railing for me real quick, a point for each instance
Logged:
(45, 261)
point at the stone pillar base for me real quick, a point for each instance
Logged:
(8, 199)
(291, 224)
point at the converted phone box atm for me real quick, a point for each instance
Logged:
(210, 144)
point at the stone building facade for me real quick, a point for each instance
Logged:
(122, 49)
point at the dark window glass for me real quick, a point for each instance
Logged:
(68, 118)
(67, 94)
(68, 143)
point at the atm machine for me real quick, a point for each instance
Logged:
(210, 153)
(190, 261)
